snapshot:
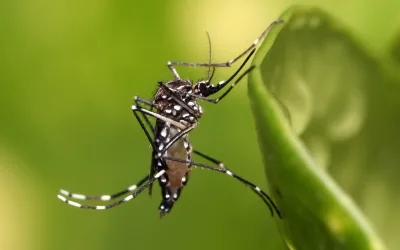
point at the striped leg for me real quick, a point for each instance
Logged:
(138, 100)
(260, 193)
(266, 198)
(105, 197)
(209, 158)
(117, 203)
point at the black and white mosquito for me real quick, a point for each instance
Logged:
(176, 112)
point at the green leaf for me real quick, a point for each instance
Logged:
(310, 70)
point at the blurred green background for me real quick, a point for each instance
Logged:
(69, 70)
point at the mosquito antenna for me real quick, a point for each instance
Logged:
(209, 55)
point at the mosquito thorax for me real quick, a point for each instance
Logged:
(175, 99)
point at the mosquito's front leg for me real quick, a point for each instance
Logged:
(227, 63)
(173, 70)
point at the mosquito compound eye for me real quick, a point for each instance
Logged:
(201, 89)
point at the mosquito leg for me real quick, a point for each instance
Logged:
(266, 198)
(157, 116)
(105, 197)
(149, 138)
(227, 63)
(115, 195)
(222, 166)
(209, 158)
(148, 135)
(138, 101)
(173, 70)
(117, 203)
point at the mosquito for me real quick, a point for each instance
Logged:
(176, 112)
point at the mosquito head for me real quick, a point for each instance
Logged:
(205, 89)
(200, 88)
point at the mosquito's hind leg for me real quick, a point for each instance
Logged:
(264, 196)
(104, 197)
(117, 203)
